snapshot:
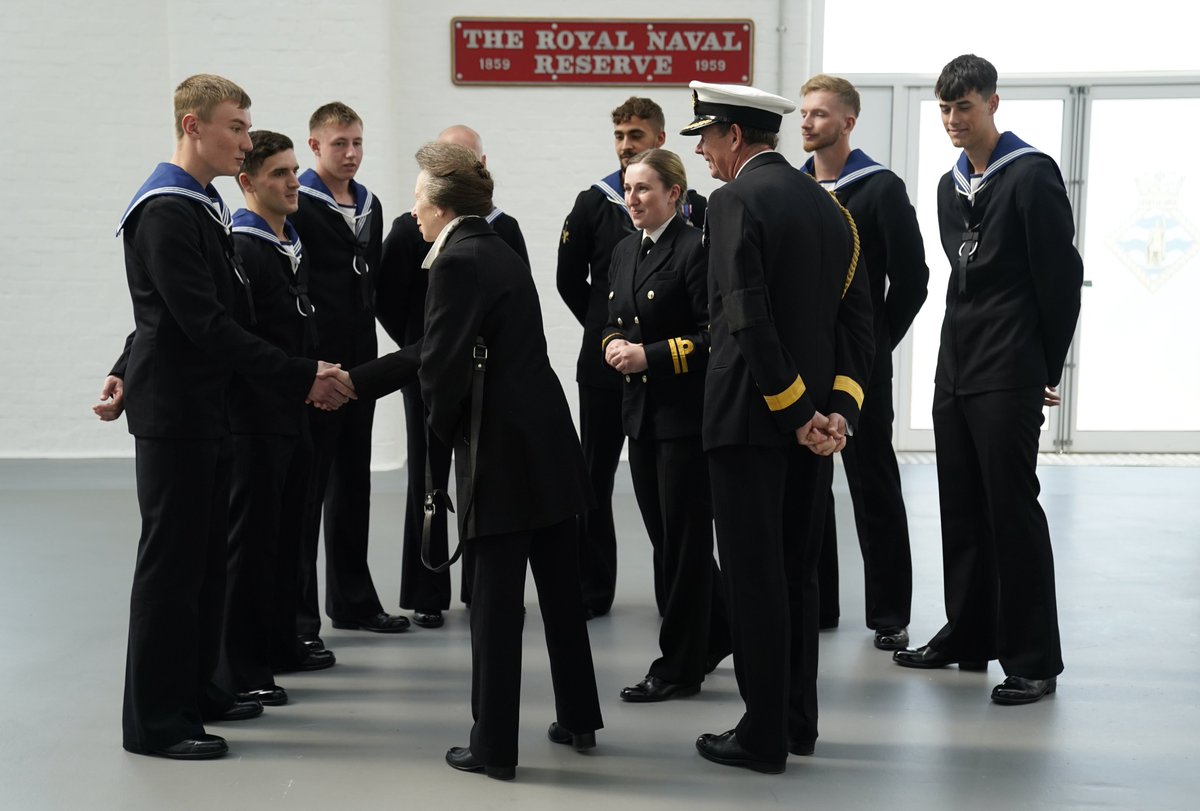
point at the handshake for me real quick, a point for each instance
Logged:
(332, 388)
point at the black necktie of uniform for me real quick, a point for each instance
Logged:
(647, 244)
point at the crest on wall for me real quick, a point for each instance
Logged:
(1158, 239)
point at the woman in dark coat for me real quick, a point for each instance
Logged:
(517, 507)
(657, 337)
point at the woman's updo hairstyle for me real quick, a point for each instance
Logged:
(669, 168)
(457, 180)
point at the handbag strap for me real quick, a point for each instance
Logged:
(436, 497)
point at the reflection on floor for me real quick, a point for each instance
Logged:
(371, 732)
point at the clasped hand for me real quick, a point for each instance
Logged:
(625, 357)
(332, 388)
(823, 435)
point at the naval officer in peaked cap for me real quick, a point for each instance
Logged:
(791, 353)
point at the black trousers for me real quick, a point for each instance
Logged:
(340, 486)
(996, 555)
(670, 481)
(420, 588)
(178, 592)
(270, 478)
(601, 434)
(496, 623)
(769, 509)
(879, 517)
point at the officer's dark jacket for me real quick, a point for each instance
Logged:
(662, 303)
(785, 340)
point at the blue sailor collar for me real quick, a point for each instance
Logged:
(495, 215)
(167, 178)
(249, 223)
(1008, 149)
(312, 185)
(613, 189)
(858, 165)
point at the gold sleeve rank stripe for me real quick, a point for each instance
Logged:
(609, 337)
(680, 349)
(787, 397)
(843, 383)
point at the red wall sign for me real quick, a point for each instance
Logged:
(600, 52)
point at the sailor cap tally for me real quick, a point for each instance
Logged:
(736, 104)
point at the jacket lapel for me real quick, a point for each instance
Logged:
(658, 255)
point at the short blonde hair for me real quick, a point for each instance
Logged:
(845, 92)
(333, 113)
(199, 95)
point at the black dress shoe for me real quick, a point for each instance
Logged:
(205, 747)
(272, 696)
(240, 711)
(726, 750)
(314, 660)
(652, 688)
(460, 757)
(381, 623)
(591, 613)
(798, 746)
(891, 638)
(580, 740)
(927, 658)
(429, 619)
(827, 623)
(311, 642)
(1018, 690)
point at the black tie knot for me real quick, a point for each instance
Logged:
(647, 244)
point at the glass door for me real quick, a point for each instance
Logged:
(1136, 359)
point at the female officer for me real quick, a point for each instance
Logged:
(657, 337)
(520, 493)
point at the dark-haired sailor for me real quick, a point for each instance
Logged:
(1011, 306)
(271, 446)
(893, 256)
(598, 221)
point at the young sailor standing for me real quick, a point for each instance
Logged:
(341, 223)
(172, 379)
(271, 446)
(894, 260)
(1011, 307)
(598, 221)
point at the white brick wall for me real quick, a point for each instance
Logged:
(86, 89)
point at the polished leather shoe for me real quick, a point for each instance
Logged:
(927, 658)
(652, 688)
(381, 623)
(580, 740)
(460, 757)
(891, 638)
(592, 613)
(796, 746)
(429, 619)
(205, 747)
(273, 696)
(240, 711)
(314, 660)
(1018, 690)
(311, 642)
(827, 624)
(726, 750)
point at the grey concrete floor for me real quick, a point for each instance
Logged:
(370, 733)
